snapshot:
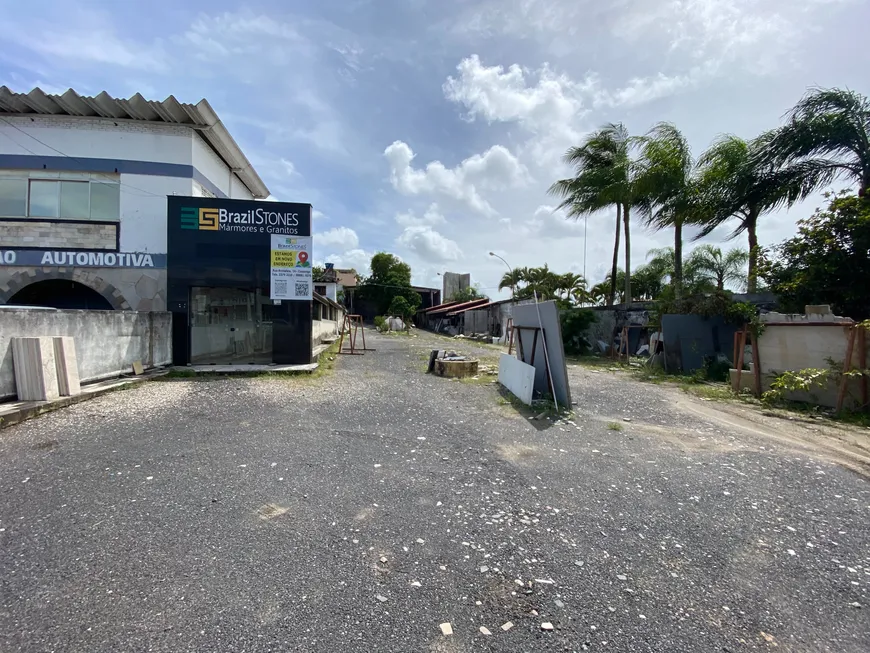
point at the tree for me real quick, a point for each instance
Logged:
(709, 263)
(512, 279)
(671, 193)
(317, 273)
(526, 282)
(598, 293)
(390, 277)
(828, 134)
(652, 277)
(605, 175)
(740, 184)
(827, 261)
(466, 295)
(400, 307)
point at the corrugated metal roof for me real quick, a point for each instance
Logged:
(200, 117)
(438, 307)
(445, 308)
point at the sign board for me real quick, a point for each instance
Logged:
(290, 268)
(63, 258)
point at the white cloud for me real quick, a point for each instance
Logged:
(318, 215)
(432, 216)
(496, 94)
(429, 244)
(343, 238)
(358, 259)
(288, 166)
(494, 169)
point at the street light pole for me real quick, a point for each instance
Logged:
(509, 268)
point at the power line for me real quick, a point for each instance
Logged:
(74, 158)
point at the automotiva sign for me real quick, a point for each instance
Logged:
(57, 257)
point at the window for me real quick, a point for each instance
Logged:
(64, 199)
(43, 199)
(13, 197)
(105, 201)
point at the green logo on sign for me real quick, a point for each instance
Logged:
(189, 218)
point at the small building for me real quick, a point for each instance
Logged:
(83, 188)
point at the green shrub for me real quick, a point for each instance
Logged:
(381, 324)
(575, 323)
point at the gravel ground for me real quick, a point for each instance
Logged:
(360, 511)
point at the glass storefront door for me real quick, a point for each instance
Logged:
(230, 326)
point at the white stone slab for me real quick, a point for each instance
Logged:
(68, 381)
(35, 369)
(527, 315)
(518, 377)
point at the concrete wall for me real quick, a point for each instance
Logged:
(452, 283)
(107, 342)
(798, 342)
(321, 329)
(97, 139)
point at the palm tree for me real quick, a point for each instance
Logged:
(671, 193)
(570, 284)
(598, 293)
(512, 279)
(740, 183)
(828, 133)
(710, 263)
(605, 176)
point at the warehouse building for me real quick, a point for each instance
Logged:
(83, 194)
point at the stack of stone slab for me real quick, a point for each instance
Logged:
(45, 368)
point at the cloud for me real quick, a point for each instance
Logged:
(496, 94)
(429, 244)
(343, 238)
(432, 216)
(358, 259)
(85, 38)
(496, 168)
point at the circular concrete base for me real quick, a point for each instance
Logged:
(455, 369)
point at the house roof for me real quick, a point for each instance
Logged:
(451, 309)
(439, 306)
(327, 301)
(200, 117)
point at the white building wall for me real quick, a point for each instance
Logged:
(96, 139)
(143, 210)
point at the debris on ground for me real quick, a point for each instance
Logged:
(446, 629)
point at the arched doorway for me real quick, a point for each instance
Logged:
(60, 293)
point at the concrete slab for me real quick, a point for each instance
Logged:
(518, 377)
(547, 315)
(35, 368)
(68, 382)
(247, 369)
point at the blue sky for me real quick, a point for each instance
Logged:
(433, 129)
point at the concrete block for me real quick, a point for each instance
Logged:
(518, 377)
(68, 381)
(35, 368)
